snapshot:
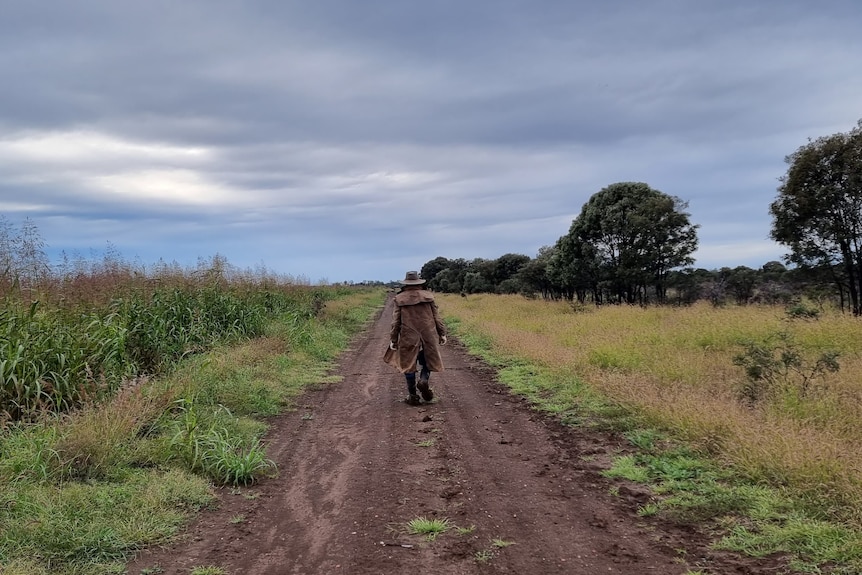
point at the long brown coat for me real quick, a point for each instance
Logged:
(415, 324)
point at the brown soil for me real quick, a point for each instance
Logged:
(356, 464)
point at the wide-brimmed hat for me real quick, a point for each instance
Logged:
(412, 279)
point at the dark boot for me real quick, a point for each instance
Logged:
(424, 389)
(412, 399)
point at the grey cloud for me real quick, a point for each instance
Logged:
(339, 127)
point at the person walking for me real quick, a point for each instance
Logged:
(415, 336)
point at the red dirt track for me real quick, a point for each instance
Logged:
(356, 464)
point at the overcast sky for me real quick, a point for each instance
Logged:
(356, 139)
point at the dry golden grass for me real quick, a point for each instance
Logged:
(97, 437)
(675, 366)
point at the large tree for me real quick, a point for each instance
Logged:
(818, 211)
(629, 237)
(430, 270)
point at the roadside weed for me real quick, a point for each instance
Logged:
(29, 453)
(237, 519)
(430, 528)
(230, 462)
(626, 467)
(819, 541)
(483, 555)
(23, 567)
(501, 543)
(645, 439)
(466, 530)
(426, 443)
(208, 570)
(204, 440)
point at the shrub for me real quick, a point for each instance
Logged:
(777, 365)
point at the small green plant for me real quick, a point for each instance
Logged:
(237, 519)
(232, 463)
(628, 467)
(426, 443)
(643, 439)
(154, 570)
(430, 528)
(501, 543)
(483, 556)
(777, 366)
(466, 530)
(208, 570)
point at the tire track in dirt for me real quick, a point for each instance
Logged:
(356, 464)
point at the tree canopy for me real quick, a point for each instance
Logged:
(818, 211)
(627, 239)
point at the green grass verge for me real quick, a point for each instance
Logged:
(79, 494)
(689, 486)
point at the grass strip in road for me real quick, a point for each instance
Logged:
(80, 493)
(663, 379)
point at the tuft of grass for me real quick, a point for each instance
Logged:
(483, 556)
(28, 453)
(24, 567)
(501, 543)
(101, 438)
(811, 542)
(208, 570)
(207, 441)
(430, 528)
(426, 442)
(627, 467)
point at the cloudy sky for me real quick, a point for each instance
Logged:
(353, 140)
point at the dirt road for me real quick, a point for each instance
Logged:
(523, 494)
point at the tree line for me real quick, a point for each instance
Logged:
(772, 283)
(633, 244)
